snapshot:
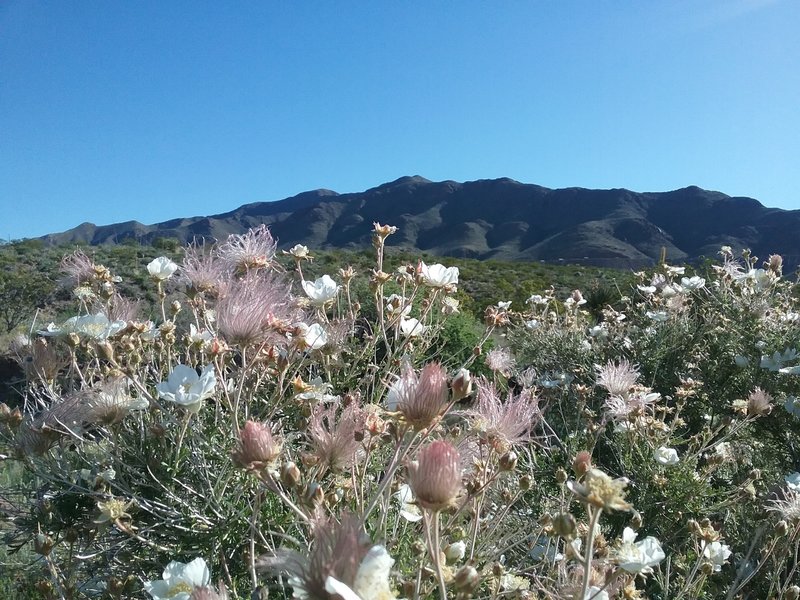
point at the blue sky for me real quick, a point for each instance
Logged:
(150, 110)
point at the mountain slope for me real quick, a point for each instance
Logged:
(498, 218)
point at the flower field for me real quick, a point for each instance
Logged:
(259, 431)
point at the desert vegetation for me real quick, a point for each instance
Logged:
(230, 421)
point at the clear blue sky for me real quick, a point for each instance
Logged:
(149, 110)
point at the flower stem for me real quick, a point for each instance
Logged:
(589, 552)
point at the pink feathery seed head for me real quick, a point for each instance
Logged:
(505, 423)
(435, 477)
(252, 306)
(123, 309)
(501, 361)
(258, 447)
(201, 271)
(252, 250)
(423, 397)
(759, 403)
(617, 378)
(335, 443)
(337, 551)
(78, 267)
(209, 593)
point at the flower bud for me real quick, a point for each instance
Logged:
(561, 476)
(793, 593)
(508, 462)
(175, 307)
(565, 525)
(455, 552)
(467, 579)
(461, 385)
(43, 544)
(290, 475)
(781, 527)
(582, 463)
(525, 483)
(257, 446)
(707, 569)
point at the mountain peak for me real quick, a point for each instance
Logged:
(498, 218)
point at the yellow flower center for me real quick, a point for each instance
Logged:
(178, 588)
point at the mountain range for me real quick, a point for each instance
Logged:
(497, 218)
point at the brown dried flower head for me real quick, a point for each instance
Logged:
(258, 448)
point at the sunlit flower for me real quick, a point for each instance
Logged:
(252, 250)
(666, 456)
(113, 509)
(313, 336)
(420, 398)
(777, 360)
(321, 291)
(536, 300)
(412, 327)
(600, 490)
(639, 557)
(179, 580)
(504, 423)
(617, 378)
(595, 593)
(693, 283)
(185, 387)
(717, 554)
(255, 308)
(315, 390)
(501, 361)
(659, 316)
(299, 252)
(199, 337)
(437, 275)
(161, 268)
(97, 327)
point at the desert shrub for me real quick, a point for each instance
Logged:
(327, 430)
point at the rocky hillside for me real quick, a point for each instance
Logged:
(498, 218)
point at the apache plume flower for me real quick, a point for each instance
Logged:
(501, 361)
(321, 291)
(618, 378)
(258, 447)
(112, 402)
(504, 423)
(435, 477)
(419, 398)
(161, 268)
(252, 250)
(334, 442)
(598, 489)
(201, 270)
(179, 580)
(254, 309)
(437, 275)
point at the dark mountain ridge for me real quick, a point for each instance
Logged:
(497, 218)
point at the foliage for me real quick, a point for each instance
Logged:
(631, 440)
